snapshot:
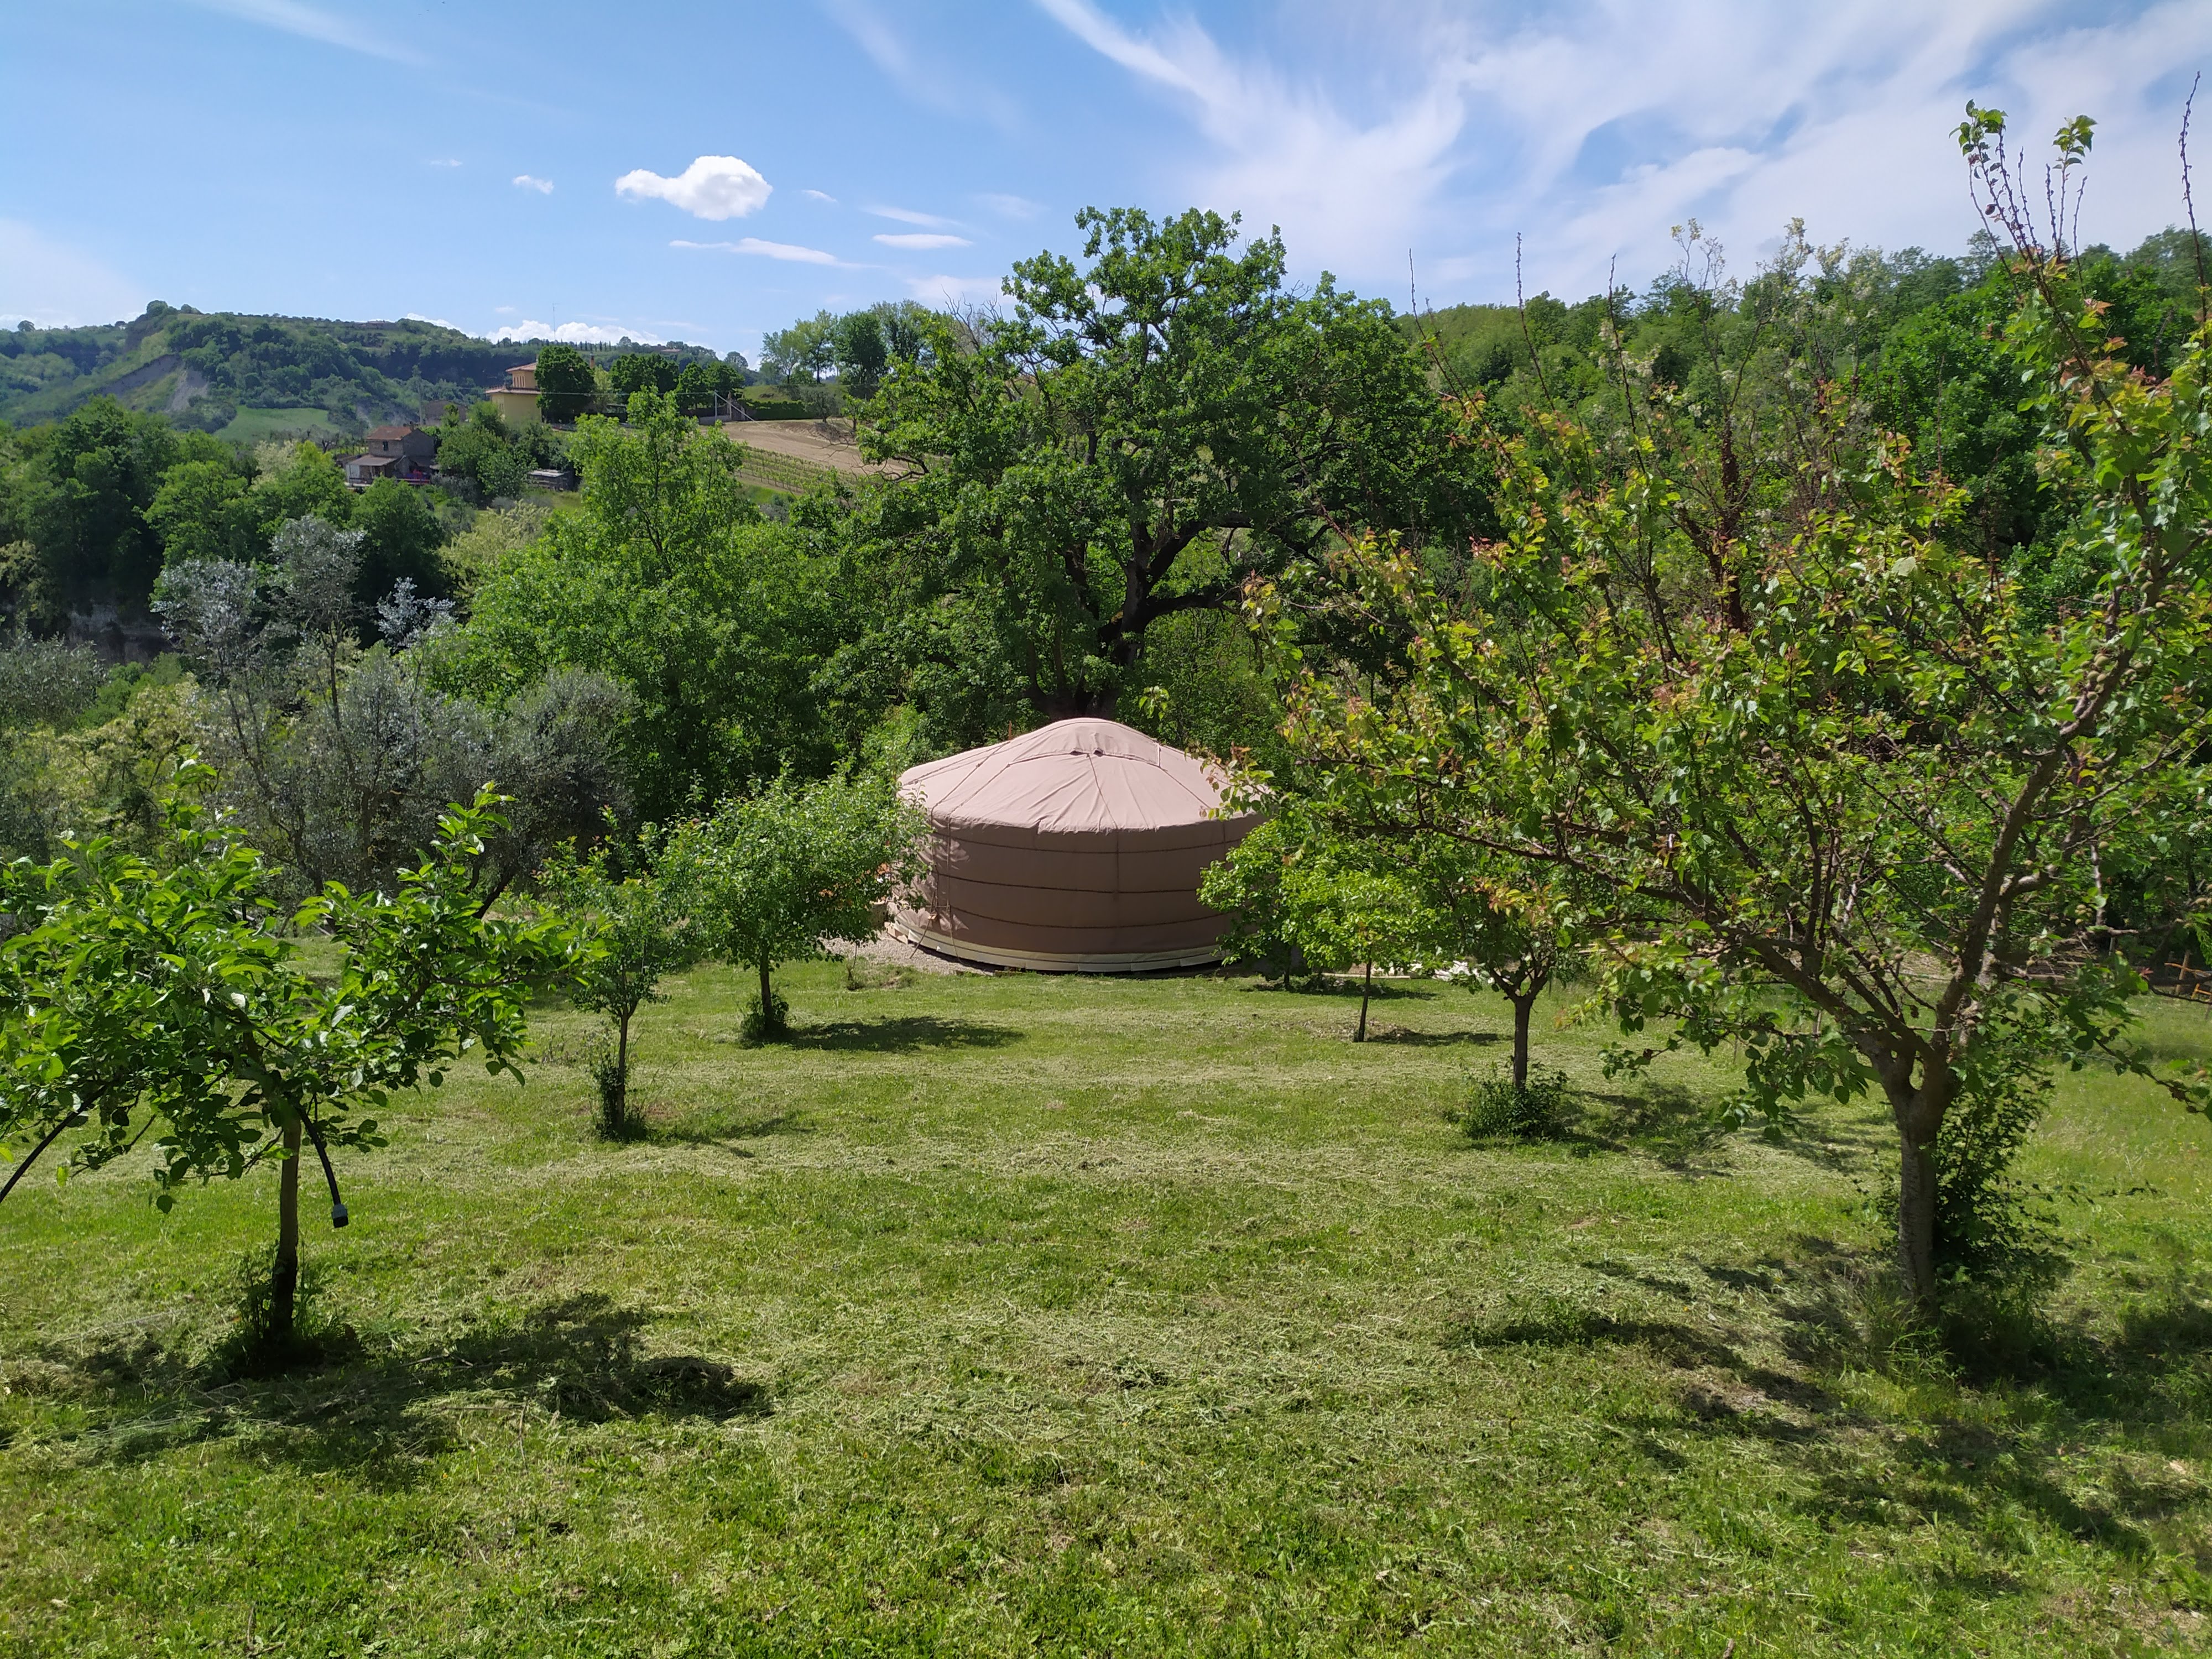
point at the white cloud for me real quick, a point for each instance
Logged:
(712, 187)
(575, 333)
(444, 162)
(312, 24)
(790, 252)
(820, 196)
(417, 316)
(543, 186)
(909, 216)
(1594, 126)
(57, 285)
(1012, 207)
(922, 238)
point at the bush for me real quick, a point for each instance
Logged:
(766, 1024)
(1497, 1110)
(616, 1121)
(255, 1346)
(1985, 1228)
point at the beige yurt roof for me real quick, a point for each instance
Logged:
(1072, 777)
(1076, 846)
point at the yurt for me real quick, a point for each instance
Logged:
(1074, 848)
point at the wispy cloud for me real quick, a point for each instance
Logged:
(312, 23)
(790, 252)
(920, 240)
(909, 216)
(1011, 207)
(712, 187)
(937, 81)
(442, 161)
(957, 293)
(1593, 125)
(543, 186)
(1285, 153)
(820, 196)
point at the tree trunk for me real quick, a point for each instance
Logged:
(1919, 1113)
(1523, 1006)
(622, 1066)
(284, 1278)
(1915, 1219)
(769, 1023)
(1366, 989)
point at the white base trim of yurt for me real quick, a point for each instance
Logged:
(1046, 961)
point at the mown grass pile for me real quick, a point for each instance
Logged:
(1020, 1315)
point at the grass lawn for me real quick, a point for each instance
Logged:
(256, 426)
(1077, 1316)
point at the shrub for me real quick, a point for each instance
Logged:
(261, 1342)
(1497, 1110)
(616, 1120)
(765, 1023)
(1985, 1228)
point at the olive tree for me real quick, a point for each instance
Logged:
(338, 760)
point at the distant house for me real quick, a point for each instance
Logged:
(553, 477)
(407, 444)
(362, 470)
(516, 400)
(394, 452)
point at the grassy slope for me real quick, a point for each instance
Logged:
(1031, 1314)
(54, 401)
(254, 426)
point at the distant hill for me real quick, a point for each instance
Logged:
(248, 377)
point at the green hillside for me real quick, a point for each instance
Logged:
(249, 377)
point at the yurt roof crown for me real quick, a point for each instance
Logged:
(1074, 776)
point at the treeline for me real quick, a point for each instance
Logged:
(94, 507)
(1915, 339)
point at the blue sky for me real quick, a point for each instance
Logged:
(705, 171)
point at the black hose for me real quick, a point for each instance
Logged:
(338, 1216)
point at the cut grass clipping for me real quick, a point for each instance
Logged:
(1018, 1314)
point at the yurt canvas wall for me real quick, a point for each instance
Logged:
(1075, 847)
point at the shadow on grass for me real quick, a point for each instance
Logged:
(2015, 1411)
(1334, 985)
(1664, 1121)
(378, 1410)
(906, 1035)
(703, 1129)
(1412, 1039)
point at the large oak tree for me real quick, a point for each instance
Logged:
(1142, 434)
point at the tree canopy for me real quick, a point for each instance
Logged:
(667, 582)
(1141, 436)
(1847, 789)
